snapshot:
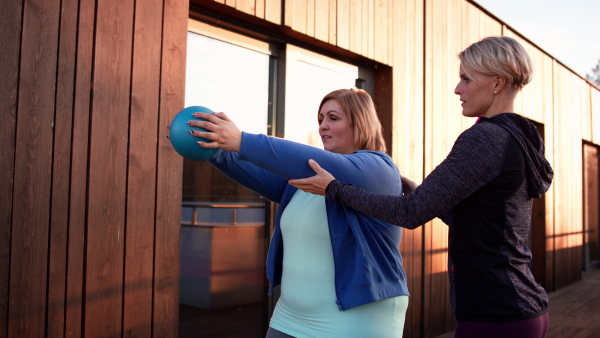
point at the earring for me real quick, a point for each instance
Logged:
(495, 92)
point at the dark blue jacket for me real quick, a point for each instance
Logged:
(368, 264)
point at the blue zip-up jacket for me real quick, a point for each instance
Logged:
(368, 264)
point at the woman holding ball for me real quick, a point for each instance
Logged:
(340, 271)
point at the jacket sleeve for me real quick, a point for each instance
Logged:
(475, 159)
(369, 170)
(263, 182)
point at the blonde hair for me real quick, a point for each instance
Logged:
(360, 108)
(499, 55)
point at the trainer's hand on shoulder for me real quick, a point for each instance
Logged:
(223, 133)
(315, 184)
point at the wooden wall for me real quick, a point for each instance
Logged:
(408, 133)
(90, 200)
(91, 190)
(420, 40)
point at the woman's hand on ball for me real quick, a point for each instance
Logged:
(223, 133)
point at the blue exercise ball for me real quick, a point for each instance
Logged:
(184, 143)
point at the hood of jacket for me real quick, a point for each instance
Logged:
(539, 171)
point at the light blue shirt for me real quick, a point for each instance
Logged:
(368, 264)
(307, 306)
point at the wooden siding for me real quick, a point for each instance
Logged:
(91, 189)
(595, 115)
(407, 135)
(536, 103)
(450, 26)
(569, 97)
(10, 39)
(86, 171)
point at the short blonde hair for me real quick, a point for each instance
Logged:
(359, 106)
(499, 55)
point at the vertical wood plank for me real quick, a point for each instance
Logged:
(169, 173)
(343, 23)
(381, 32)
(33, 158)
(288, 10)
(333, 22)
(408, 87)
(299, 15)
(586, 119)
(310, 17)
(108, 168)
(259, 8)
(355, 26)
(141, 181)
(441, 105)
(33, 169)
(57, 271)
(567, 148)
(322, 20)
(79, 171)
(10, 40)
(549, 140)
(368, 39)
(595, 114)
(295, 15)
(391, 33)
(273, 11)
(246, 6)
(429, 72)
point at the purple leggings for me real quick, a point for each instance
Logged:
(528, 328)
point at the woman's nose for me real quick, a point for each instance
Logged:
(457, 91)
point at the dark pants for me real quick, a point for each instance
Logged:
(272, 333)
(528, 328)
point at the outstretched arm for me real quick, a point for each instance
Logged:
(370, 170)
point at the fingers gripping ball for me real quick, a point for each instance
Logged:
(181, 139)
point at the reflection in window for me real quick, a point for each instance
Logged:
(223, 235)
(309, 78)
(230, 79)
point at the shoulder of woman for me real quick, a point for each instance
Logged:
(379, 173)
(371, 155)
(484, 131)
(482, 138)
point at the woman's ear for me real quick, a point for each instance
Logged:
(499, 84)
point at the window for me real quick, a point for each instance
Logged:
(226, 227)
(309, 77)
(223, 236)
